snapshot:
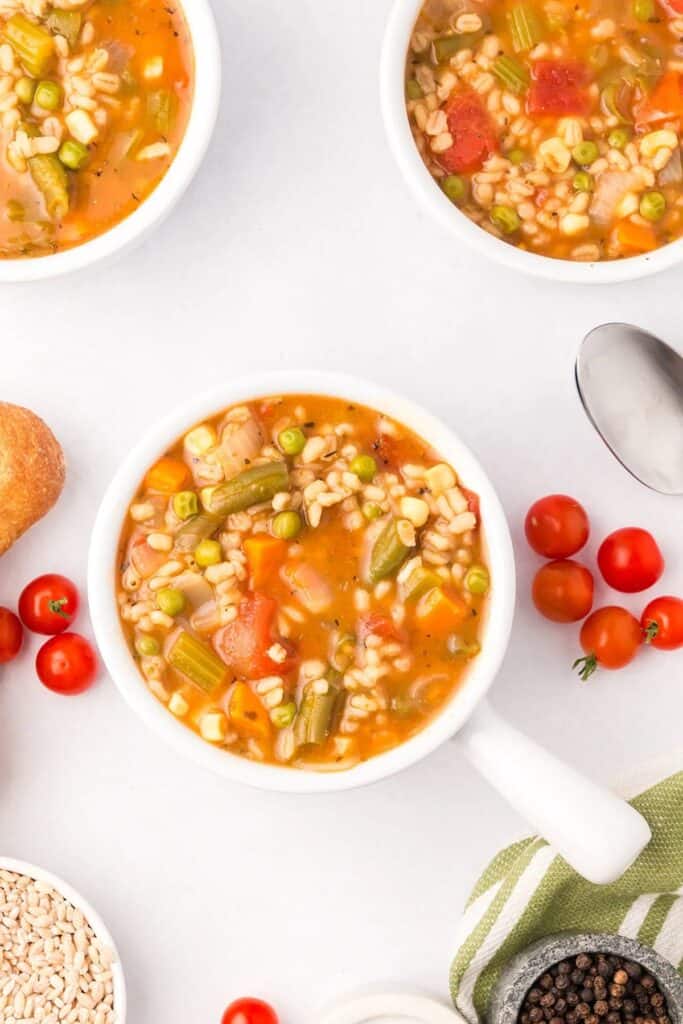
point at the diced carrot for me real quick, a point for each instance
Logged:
(635, 238)
(265, 555)
(440, 611)
(168, 475)
(664, 103)
(248, 714)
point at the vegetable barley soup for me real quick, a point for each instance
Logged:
(301, 580)
(94, 101)
(554, 124)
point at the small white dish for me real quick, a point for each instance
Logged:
(430, 197)
(391, 1008)
(134, 228)
(21, 867)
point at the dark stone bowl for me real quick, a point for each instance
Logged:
(524, 968)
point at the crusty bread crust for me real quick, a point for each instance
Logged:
(32, 471)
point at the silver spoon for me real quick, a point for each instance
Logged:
(631, 386)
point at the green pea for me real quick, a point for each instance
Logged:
(48, 95)
(292, 440)
(644, 10)
(170, 601)
(414, 90)
(583, 182)
(586, 153)
(477, 580)
(147, 646)
(365, 467)
(454, 187)
(372, 511)
(73, 154)
(619, 138)
(287, 525)
(653, 206)
(283, 716)
(25, 88)
(505, 218)
(185, 504)
(516, 157)
(208, 552)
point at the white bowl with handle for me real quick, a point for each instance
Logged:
(599, 834)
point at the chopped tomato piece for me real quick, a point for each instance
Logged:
(265, 555)
(558, 88)
(244, 643)
(672, 7)
(376, 624)
(664, 102)
(472, 502)
(635, 238)
(474, 135)
(144, 559)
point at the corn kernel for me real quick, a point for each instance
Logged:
(416, 510)
(200, 440)
(178, 705)
(213, 726)
(440, 478)
(81, 126)
(663, 139)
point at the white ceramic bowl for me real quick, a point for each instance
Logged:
(21, 867)
(114, 649)
(132, 230)
(392, 78)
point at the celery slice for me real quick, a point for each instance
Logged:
(197, 662)
(33, 45)
(525, 27)
(513, 75)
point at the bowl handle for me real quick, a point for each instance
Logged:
(596, 832)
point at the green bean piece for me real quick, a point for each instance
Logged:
(619, 138)
(251, 487)
(283, 715)
(525, 27)
(583, 182)
(644, 10)
(318, 712)
(421, 581)
(516, 157)
(147, 646)
(389, 551)
(585, 153)
(197, 662)
(15, 210)
(65, 23)
(371, 510)
(52, 181)
(365, 467)
(287, 525)
(447, 46)
(208, 552)
(506, 219)
(25, 89)
(653, 206)
(511, 73)
(477, 580)
(73, 154)
(162, 107)
(171, 601)
(195, 530)
(292, 440)
(185, 504)
(34, 46)
(454, 187)
(414, 90)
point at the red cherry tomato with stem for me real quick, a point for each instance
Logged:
(563, 591)
(11, 635)
(49, 604)
(630, 560)
(250, 1011)
(611, 638)
(556, 526)
(66, 664)
(662, 622)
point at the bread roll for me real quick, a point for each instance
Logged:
(31, 471)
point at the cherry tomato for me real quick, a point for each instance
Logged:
(556, 526)
(250, 1011)
(473, 133)
(558, 88)
(630, 560)
(49, 604)
(66, 664)
(11, 635)
(563, 591)
(610, 637)
(662, 621)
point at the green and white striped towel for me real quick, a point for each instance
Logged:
(529, 891)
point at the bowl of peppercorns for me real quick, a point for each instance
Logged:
(588, 979)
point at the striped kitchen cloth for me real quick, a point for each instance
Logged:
(528, 891)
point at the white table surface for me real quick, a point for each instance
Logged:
(298, 245)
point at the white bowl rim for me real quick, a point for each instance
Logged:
(399, 27)
(22, 867)
(132, 229)
(104, 609)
